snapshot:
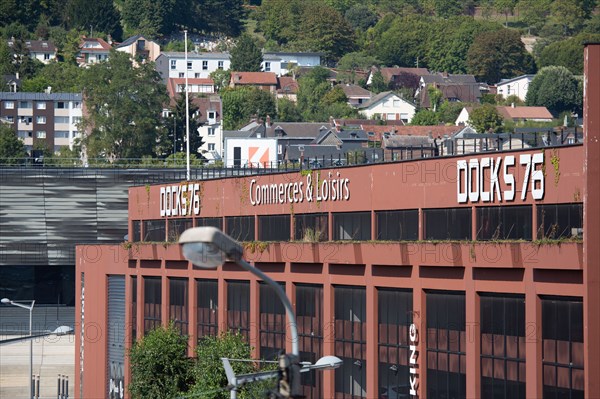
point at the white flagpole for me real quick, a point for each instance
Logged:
(187, 112)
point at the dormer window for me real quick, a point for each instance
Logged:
(279, 131)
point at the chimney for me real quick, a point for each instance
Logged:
(512, 105)
(268, 122)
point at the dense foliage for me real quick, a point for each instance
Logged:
(12, 150)
(555, 88)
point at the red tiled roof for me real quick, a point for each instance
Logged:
(105, 46)
(287, 85)
(525, 112)
(254, 78)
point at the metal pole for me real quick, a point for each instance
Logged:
(284, 299)
(187, 112)
(31, 350)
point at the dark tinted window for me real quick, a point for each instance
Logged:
(154, 230)
(311, 227)
(352, 226)
(274, 228)
(398, 225)
(241, 228)
(136, 233)
(133, 308)
(559, 220)
(152, 303)
(504, 223)
(447, 224)
(206, 312)
(502, 346)
(446, 342)
(272, 323)
(213, 222)
(178, 226)
(238, 307)
(178, 304)
(309, 315)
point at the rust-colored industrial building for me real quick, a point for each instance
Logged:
(456, 277)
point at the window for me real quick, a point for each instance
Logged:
(154, 230)
(211, 131)
(396, 103)
(562, 347)
(60, 105)
(9, 105)
(40, 105)
(197, 75)
(350, 341)
(220, 64)
(61, 119)
(40, 134)
(10, 119)
(390, 116)
(178, 304)
(23, 134)
(352, 226)
(309, 317)
(502, 346)
(76, 120)
(181, 75)
(398, 225)
(211, 115)
(238, 307)
(40, 119)
(404, 117)
(447, 224)
(61, 134)
(311, 227)
(76, 104)
(240, 228)
(133, 308)
(274, 228)
(176, 227)
(504, 223)
(271, 322)
(211, 146)
(46, 56)
(395, 317)
(24, 104)
(214, 222)
(152, 303)
(204, 65)
(189, 65)
(446, 341)
(559, 220)
(173, 64)
(267, 67)
(26, 119)
(136, 232)
(207, 301)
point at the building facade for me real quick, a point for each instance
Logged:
(41, 117)
(455, 277)
(199, 65)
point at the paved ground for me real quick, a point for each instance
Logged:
(51, 356)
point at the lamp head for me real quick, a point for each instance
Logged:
(329, 362)
(208, 247)
(5, 300)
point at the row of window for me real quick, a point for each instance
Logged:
(492, 223)
(502, 338)
(40, 134)
(42, 104)
(220, 65)
(42, 119)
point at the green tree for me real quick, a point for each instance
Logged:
(60, 76)
(534, 13)
(221, 78)
(485, 119)
(100, 15)
(571, 14)
(354, 62)
(496, 55)
(405, 42)
(361, 17)
(242, 104)
(506, 7)
(335, 95)
(209, 372)
(378, 83)
(175, 128)
(287, 111)
(567, 53)
(12, 149)
(435, 97)
(159, 365)
(246, 56)
(449, 111)
(312, 88)
(425, 117)
(555, 88)
(124, 106)
(6, 65)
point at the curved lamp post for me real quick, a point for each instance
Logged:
(209, 247)
(7, 301)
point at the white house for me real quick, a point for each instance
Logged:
(199, 65)
(388, 106)
(283, 63)
(515, 87)
(41, 50)
(515, 113)
(93, 50)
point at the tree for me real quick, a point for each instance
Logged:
(378, 83)
(175, 127)
(425, 117)
(246, 56)
(221, 78)
(496, 55)
(287, 111)
(435, 97)
(12, 149)
(312, 88)
(405, 42)
(209, 372)
(555, 88)
(485, 119)
(124, 106)
(571, 14)
(449, 111)
(567, 53)
(242, 104)
(62, 77)
(159, 365)
(100, 15)
(505, 6)
(534, 13)
(361, 17)
(350, 63)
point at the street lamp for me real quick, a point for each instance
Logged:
(208, 247)
(7, 301)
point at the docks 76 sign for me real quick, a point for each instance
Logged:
(492, 179)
